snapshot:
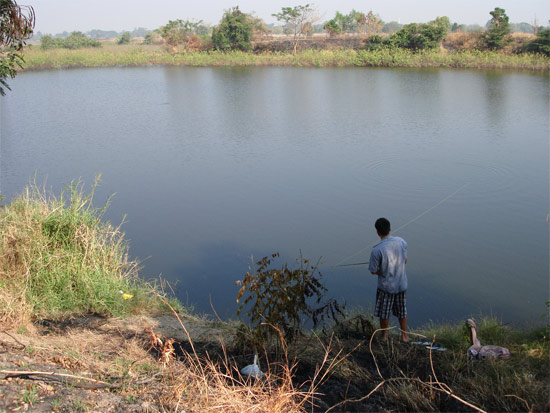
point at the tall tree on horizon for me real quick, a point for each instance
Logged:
(498, 32)
(298, 20)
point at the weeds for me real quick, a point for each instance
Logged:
(30, 395)
(79, 406)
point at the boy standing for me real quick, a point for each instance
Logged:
(387, 261)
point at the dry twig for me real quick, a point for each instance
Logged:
(529, 408)
(23, 346)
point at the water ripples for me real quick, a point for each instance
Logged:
(416, 177)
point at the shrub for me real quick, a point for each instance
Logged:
(417, 36)
(377, 42)
(282, 298)
(541, 44)
(76, 40)
(125, 38)
(234, 31)
(48, 42)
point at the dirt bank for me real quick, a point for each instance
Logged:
(148, 364)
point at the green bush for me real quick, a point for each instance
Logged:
(282, 298)
(377, 42)
(417, 36)
(125, 38)
(541, 44)
(76, 40)
(48, 42)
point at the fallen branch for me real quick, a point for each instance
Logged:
(71, 379)
(65, 378)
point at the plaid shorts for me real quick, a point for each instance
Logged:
(394, 303)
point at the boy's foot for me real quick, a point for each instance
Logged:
(404, 339)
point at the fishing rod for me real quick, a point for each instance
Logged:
(339, 264)
(351, 265)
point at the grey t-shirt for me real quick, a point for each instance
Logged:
(388, 258)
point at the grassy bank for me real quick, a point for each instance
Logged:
(141, 55)
(59, 259)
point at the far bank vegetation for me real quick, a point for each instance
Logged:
(302, 39)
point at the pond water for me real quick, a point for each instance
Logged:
(214, 165)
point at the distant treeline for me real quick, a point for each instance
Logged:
(242, 31)
(94, 34)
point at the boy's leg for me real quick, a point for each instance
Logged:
(384, 323)
(403, 326)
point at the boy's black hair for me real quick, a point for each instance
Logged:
(382, 226)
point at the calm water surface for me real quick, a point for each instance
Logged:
(213, 165)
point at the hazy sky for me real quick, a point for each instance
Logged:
(55, 16)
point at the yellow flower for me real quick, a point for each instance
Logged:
(126, 296)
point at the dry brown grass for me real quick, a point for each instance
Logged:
(519, 41)
(202, 385)
(462, 41)
(474, 40)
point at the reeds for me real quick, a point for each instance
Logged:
(141, 55)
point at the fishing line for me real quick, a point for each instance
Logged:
(339, 264)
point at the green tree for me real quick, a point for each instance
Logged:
(541, 44)
(296, 20)
(418, 36)
(124, 38)
(346, 22)
(16, 26)
(332, 28)
(234, 31)
(442, 22)
(498, 32)
(353, 22)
